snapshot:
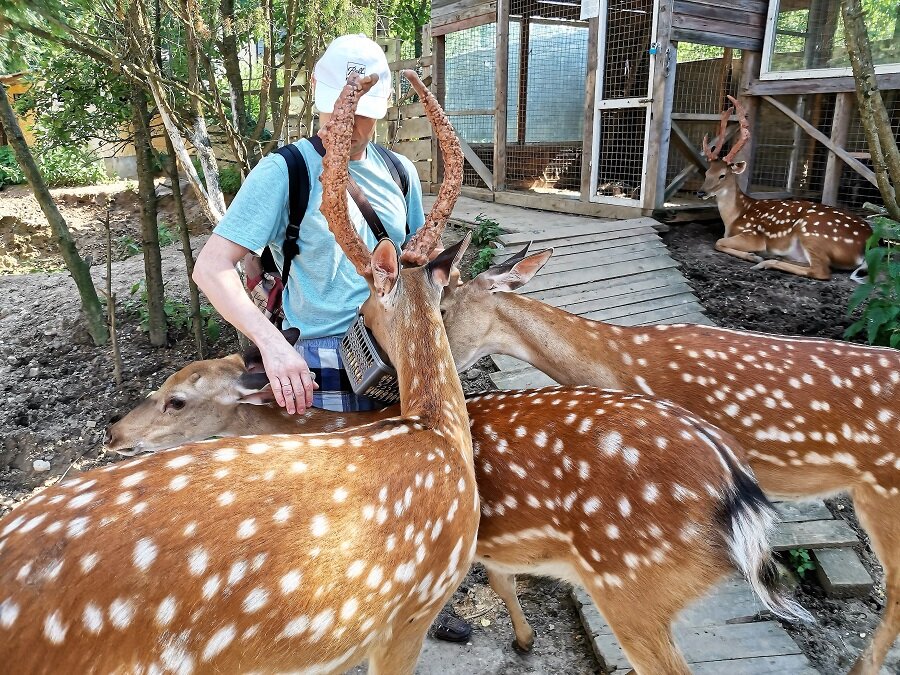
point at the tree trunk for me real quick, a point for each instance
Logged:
(140, 117)
(196, 318)
(78, 268)
(872, 111)
(233, 66)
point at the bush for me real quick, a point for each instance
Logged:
(880, 295)
(178, 314)
(70, 167)
(229, 177)
(486, 232)
(10, 173)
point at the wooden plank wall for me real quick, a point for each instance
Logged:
(739, 24)
(448, 16)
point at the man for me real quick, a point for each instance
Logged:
(323, 290)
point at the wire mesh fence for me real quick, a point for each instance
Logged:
(626, 75)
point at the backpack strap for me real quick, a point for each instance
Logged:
(298, 196)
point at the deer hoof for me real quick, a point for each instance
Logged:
(763, 265)
(523, 648)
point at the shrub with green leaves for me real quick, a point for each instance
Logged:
(880, 295)
(70, 167)
(801, 561)
(484, 234)
(178, 314)
(10, 172)
(229, 177)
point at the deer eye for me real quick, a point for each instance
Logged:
(175, 403)
(721, 175)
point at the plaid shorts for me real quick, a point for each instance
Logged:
(323, 356)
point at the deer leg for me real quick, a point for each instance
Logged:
(399, 654)
(743, 246)
(816, 270)
(881, 518)
(504, 585)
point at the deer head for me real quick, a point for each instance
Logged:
(721, 172)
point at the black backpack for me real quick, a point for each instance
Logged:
(299, 189)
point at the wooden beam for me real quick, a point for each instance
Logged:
(438, 83)
(686, 148)
(840, 127)
(474, 111)
(463, 24)
(590, 86)
(750, 65)
(663, 92)
(854, 164)
(821, 85)
(483, 172)
(501, 95)
(522, 93)
(679, 180)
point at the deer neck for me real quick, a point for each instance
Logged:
(429, 386)
(732, 203)
(560, 344)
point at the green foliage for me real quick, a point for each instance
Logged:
(880, 295)
(801, 561)
(229, 176)
(178, 314)
(70, 167)
(485, 233)
(10, 172)
(129, 246)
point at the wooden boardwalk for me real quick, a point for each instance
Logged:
(621, 272)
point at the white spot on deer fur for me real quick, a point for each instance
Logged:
(190, 529)
(179, 462)
(356, 568)
(247, 528)
(299, 467)
(225, 454)
(134, 479)
(348, 609)
(219, 642)
(282, 514)
(612, 532)
(732, 410)
(33, 523)
(166, 611)
(591, 505)
(54, 630)
(651, 493)
(124, 498)
(92, 618)
(340, 495)
(88, 562)
(145, 552)
(631, 456)
(290, 582)
(197, 561)
(226, 498)
(178, 483)
(518, 470)
(624, 506)
(540, 439)
(585, 425)
(82, 500)
(9, 612)
(77, 527)
(121, 612)
(211, 586)
(255, 600)
(237, 572)
(319, 525)
(295, 627)
(611, 443)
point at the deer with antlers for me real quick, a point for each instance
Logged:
(813, 237)
(271, 553)
(616, 492)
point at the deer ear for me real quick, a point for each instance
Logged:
(738, 168)
(385, 267)
(442, 268)
(253, 388)
(508, 277)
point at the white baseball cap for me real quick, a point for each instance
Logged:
(346, 54)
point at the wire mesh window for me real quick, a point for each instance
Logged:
(621, 158)
(704, 76)
(626, 72)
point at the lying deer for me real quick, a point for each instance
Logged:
(272, 553)
(816, 416)
(666, 503)
(815, 238)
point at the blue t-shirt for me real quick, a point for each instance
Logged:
(324, 291)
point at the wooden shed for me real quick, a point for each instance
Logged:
(599, 107)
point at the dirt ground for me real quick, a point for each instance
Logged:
(58, 393)
(774, 302)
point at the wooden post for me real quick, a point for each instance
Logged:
(590, 93)
(501, 79)
(840, 127)
(750, 65)
(524, 40)
(439, 85)
(663, 92)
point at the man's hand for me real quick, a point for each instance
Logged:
(289, 376)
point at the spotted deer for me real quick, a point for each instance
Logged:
(813, 237)
(272, 553)
(816, 416)
(619, 493)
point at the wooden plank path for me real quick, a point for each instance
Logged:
(621, 272)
